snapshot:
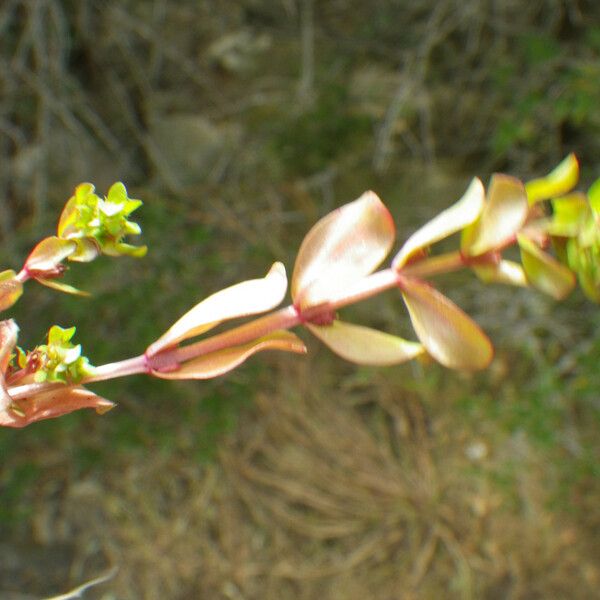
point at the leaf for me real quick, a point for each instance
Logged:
(448, 334)
(62, 287)
(83, 202)
(343, 246)
(594, 197)
(451, 220)
(502, 217)
(240, 300)
(557, 183)
(122, 249)
(10, 289)
(222, 361)
(87, 250)
(568, 215)
(59, 401)
(544, 272)
(506, 271)
(364, 345)
(8, 340)
(47, 256)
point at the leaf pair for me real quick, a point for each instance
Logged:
(543, 271)
(241, 300)
(349, 244)
(341, 249)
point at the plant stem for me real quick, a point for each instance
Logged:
(435, 265)
(284, 318)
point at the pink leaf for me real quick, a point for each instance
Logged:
(54, 403)
(222, 361)
(46, 257)
(343, 246)
(8, 340)
(453, 219)
(502, 217)
(448, 334)
(240, 300)
(364, 345)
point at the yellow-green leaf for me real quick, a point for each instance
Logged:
(343, 246)
(10, 289)
(62, 287)
(557, 183)
(544, 272)
(449, 335)
(240, 300)
(222, 361)
(506, 271)
(364, 345)
(451, 220)
(503, 215)
(87, 250)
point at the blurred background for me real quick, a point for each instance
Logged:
(239, 124)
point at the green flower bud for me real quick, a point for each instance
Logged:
(99, 225)
(60, 360)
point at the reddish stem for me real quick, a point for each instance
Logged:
(284, 318)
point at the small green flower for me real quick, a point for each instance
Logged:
(99, 225)
(59, 360)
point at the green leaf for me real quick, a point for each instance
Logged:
(544, 272)
(87, 250)
(594, 196)
(451, 220)
(557, 183)
(502, 217)
(58, 335)
(220, 362)
(449, 335)
(342, 247)
(240, 300)
(568, 215)
(583, 257)
(365, 346)
(10, 289)
(121, 249)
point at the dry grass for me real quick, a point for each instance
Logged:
(362, 491)
(336, 483)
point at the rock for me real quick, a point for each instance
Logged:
(192, 146)
(237, 52)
